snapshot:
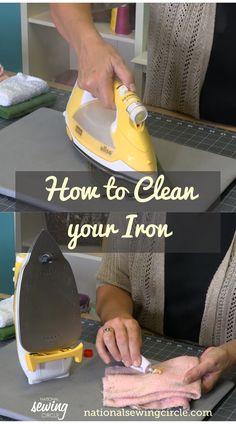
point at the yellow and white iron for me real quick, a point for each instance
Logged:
(46, 311)
(116, 140)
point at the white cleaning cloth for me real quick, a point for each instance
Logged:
(20, 88)
(6, 312)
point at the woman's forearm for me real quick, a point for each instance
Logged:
(74, 22)
(113, 302)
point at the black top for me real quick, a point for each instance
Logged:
(187, 278)
(218, 95)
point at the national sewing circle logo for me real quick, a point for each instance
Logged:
(50, 408)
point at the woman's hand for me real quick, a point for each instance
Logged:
(213, 362)
(121, 338)
(99, 62)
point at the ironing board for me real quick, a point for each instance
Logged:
(81, 391)
(38, 142)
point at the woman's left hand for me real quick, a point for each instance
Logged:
(213, 362)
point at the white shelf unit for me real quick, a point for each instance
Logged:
(84, 264)
(29, 224)
(141, 59)
(47, 55)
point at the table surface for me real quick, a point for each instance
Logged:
(167, 125)
(163, 348)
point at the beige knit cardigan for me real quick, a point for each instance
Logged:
(142, 275)
(179, 46)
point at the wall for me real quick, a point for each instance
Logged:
(7, 252)
(10, 36)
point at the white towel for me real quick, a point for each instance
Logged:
(20, 88)
(6, 312)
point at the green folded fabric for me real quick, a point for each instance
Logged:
(28, 106)
(7, 332)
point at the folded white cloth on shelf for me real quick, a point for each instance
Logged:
(19, 88)
(6, 312)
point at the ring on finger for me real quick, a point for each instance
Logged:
(108, 330)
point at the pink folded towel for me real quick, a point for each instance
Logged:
(125, 387)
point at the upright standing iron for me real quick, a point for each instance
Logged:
(115, 140)
(47, 312)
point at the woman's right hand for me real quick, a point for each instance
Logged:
(120, 338)
(99, 62)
